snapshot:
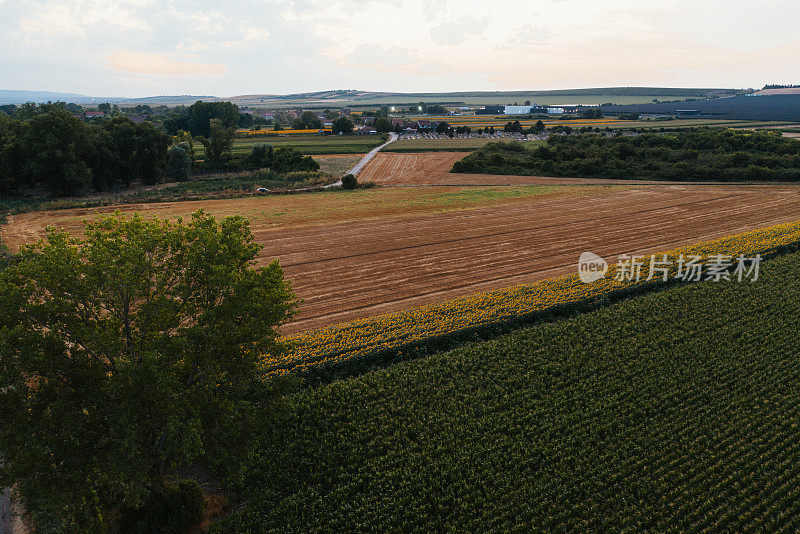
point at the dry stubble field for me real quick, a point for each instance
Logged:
(361, 253)
(433, 168)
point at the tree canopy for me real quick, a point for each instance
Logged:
(700, 154)
(129, 354)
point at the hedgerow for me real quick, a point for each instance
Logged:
(686, 155)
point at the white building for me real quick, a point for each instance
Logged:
(517, 110)
(555, 111)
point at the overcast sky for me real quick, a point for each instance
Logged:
(226, 48)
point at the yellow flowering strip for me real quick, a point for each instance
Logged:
(260, 133)
(349, 342)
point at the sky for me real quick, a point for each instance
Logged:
(233, 47)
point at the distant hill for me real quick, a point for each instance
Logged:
(793, 90)
(357, 98)
(617, 95)
(779, 107)
(21, 97)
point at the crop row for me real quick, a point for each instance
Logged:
(356, 343)
(675, 411)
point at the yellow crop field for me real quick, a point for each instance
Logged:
(258, 133)
(357, 340)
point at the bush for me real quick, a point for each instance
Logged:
(349, 182)
(289, 159)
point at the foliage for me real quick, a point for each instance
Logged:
(173, 509)
(179, 162)
(262, 156)
(671, 412)
(127, 356)
(11, 154)
(383, 125)
(591, 113)
(46, 147)
(56, 148)
(702, 154)
(350, 348)
(218, 145)
(288, 159)
(343, 125)
(197, 118)
(125, 152)
(349, 182)
(307, 120)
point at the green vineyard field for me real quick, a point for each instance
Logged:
(677, 410)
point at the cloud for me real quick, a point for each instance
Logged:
(145, 47)
(453, 33)
(528, 34)
(433, 8)
(151, 63)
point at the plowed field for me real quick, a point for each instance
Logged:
(384, 250)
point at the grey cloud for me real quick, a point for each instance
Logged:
(453, 33)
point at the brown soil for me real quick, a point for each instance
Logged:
(393, 168)
(351, 266)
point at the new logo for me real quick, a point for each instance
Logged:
(591, 267)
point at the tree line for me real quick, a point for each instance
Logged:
(696, 154)
(48, 148)
(53, 150)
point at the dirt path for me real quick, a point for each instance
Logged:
(371, 154)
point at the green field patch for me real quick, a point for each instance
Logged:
(307, 144)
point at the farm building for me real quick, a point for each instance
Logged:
(517, 110)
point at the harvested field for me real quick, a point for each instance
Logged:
(388, 249)
(410, 169)
(433, 168)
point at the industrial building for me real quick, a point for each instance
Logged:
(518, 110)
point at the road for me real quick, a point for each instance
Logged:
(366, 159)
(371, 154)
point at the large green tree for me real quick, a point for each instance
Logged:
(57, 148)
(383, 125)
(128, 355)
(343, 125)
(12, 154)
(219, 144)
